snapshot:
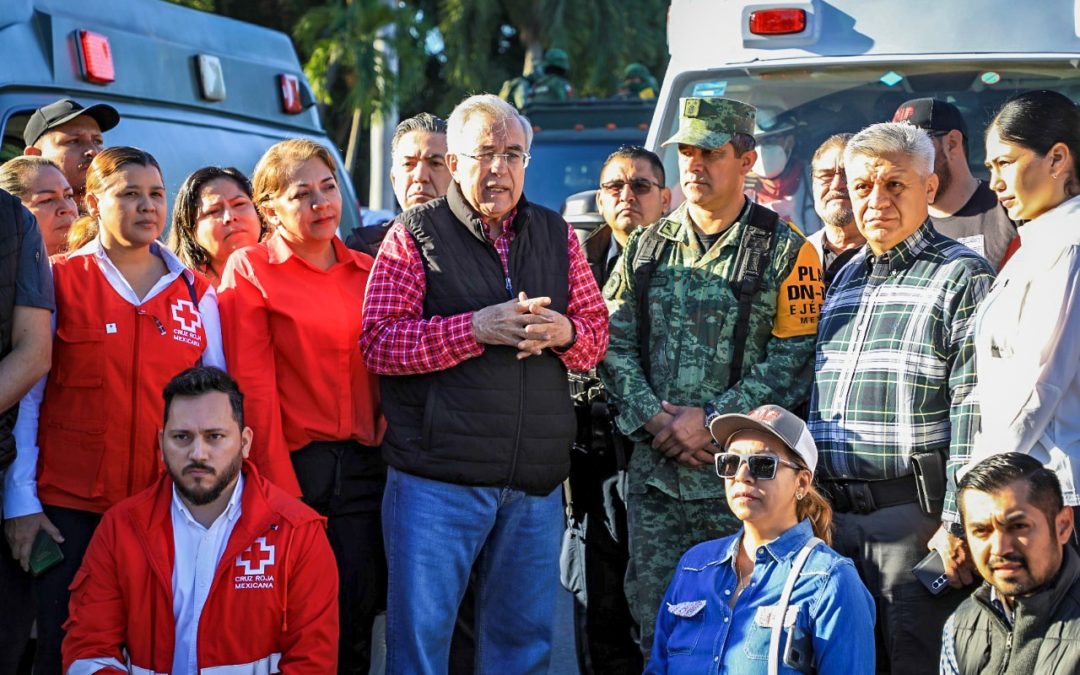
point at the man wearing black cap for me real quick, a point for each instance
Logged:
(71, 136)
(964, 208)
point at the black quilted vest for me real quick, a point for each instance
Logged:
(10, 243)
(491, 420)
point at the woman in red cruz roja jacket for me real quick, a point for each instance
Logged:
(269, 608)
(291, 316)
(129, 316)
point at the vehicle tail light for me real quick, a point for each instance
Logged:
(290, 94)
(95, 57)
(777, 21)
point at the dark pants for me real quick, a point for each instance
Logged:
(604, 628)
(17, 615)
(51, 588)
(344, 481)
(885, 545)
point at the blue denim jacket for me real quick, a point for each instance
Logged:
(697, 631)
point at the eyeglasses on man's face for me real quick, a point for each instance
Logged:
(761, 466)
(639, 186)
(512, 158)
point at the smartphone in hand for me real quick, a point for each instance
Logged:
(930, 571)
(45, 554)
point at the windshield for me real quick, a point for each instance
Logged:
(799, 107)
(561, 168)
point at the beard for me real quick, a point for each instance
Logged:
(201, 496)
(839, 214)
(944, 175)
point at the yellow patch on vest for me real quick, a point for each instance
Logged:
(801, 294)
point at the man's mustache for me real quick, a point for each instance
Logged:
(196, 466)
(1016, 558)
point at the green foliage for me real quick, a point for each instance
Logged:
(479, 44)
(346, 68)
(601, 37)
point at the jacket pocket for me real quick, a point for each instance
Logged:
(689, 624)
(80, 361)
(756, 646)
(71, 461)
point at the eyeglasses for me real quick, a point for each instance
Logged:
(639, 186)
(512, 158)
(762, 466)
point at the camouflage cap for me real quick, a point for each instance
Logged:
(711, 122)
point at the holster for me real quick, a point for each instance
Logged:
(929, 470)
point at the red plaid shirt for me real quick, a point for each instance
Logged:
(398, 340)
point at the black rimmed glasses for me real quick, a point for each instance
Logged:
(513, 158)
(639, 186)
(762, 466)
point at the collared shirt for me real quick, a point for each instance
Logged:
(699, 631)
(1027, 344)
(292, 331)
(895, 360)
(407, 343)
(20, 481)
(197, 551)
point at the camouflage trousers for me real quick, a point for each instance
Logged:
(661, 528)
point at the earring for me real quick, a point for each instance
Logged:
(798, 496)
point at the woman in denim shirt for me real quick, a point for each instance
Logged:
(719, 610)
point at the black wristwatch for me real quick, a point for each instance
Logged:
(711, 415)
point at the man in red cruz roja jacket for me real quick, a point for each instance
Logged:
(212, 567)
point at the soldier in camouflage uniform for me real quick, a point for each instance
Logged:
(667, 389)
(553, 85)
(638, 82)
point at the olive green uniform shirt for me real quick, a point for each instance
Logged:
(692, 311)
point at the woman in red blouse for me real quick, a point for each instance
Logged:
(291, 315)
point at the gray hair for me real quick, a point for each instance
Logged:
(892, 138)
(490, 106)
(422, 122)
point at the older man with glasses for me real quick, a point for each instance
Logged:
(477, 306)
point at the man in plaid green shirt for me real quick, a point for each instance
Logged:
(895, 374)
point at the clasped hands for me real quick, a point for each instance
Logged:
(679, 432)
(523, 323)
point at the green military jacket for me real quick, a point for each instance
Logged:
(550, 88)
(692, 311)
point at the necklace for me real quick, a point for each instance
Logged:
(742, 579)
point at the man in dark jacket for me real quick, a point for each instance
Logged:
(1025, 618)
(632, 194)
(478, 304)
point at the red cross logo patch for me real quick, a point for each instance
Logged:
(185, 314)
(256, 558)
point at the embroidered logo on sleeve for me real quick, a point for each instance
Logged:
(766, 616)
(685, 610)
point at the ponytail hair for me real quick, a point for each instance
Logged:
(815, 507)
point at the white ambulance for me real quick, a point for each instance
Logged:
(817, 67)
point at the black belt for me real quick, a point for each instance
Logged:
(867, 496)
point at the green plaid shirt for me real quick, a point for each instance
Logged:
(895, 360)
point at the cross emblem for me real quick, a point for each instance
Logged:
(256, 558)
(185, 314)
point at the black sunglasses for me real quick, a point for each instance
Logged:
(762, 466)
(639, 186)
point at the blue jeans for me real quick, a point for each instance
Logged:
(434, 532)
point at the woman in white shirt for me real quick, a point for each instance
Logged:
(1028, 327)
